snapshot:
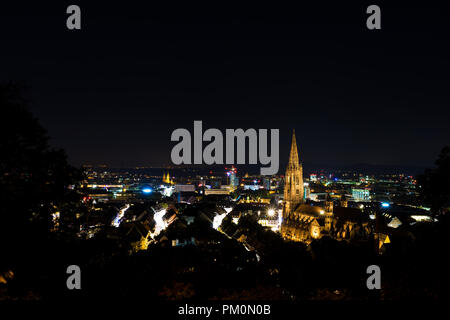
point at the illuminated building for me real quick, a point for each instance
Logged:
(167, 179)
(184, 188)
(307, 190)
(234, 181)
(343, 202)
(251, 187)
(222, 191)
(293, 184)
(271, 220)
(304, 222)
(266, 183)
(361, 194)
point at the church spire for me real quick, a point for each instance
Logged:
(293, 180)
(293, 156)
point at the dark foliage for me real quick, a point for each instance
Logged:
(33, 182)
(434, 184)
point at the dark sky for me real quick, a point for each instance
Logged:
(114, 91)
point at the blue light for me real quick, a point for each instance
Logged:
(146, 190)
(385, 205)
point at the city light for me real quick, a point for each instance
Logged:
(167, 191)
(421, 218)
(116, 222)
(218, 220)
(159, 221)
(141, 204)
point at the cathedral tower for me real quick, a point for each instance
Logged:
(293, 181)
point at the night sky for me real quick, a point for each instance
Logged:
(114, 91)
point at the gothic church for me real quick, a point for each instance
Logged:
(305, 222)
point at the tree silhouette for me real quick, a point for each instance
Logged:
(434, 184)
(33, 179)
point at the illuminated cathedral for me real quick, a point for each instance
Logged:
(166, 179)
(293, 182)
(305, 222)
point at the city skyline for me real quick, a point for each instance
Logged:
(258, 159)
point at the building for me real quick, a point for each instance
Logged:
(304, 222)
(361, 194)
(307, 190)
(267, 182)
(293, 181)
(166, 179)
(225, 190)
(313, 222)
(184, 188)
(234, 180)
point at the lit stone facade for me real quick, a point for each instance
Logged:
(293, 181)
(304, 222)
